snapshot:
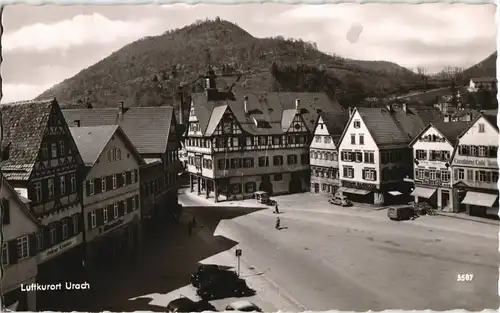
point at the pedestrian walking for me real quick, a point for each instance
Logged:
(276, 210)
(194, 222)
(190, 227)
(278, 223)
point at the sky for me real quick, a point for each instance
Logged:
(43, 45)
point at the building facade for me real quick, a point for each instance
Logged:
(153, 131)
(432, 152)
(238, 144)
(111, 202)
(475, 168)
(487, 83)
(374, 155)
(18, 255)
(323, 153)
(40, 159)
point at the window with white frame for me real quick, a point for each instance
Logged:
(114, 181)
(353, 139)
(115, 209)
(103, 184)
(23, 247)
(73, 182)
(105, 214)
(53, 149)
(118, 154)
(125, 207)
(369, 174)
(361, 139)
(481, 128)
(133, 204)
(432, 175)
(62, 185)
(113, 154)
(348, 172)
(50, 185)
(91, 187)
(65, 229)
(5, 254)
(132, 176)
(357, 124)
(93, 219)
(53, 235)
(124, 176)
(38, 191)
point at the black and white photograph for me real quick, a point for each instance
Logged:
(252, 157)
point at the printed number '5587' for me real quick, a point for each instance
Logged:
(465, 277)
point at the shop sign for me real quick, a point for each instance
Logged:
(476, 162)
(117, 223)
(432, 182)
(358, 185)
(58, 249)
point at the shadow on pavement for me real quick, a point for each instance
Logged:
(163, 263)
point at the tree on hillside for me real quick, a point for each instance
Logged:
(423, 75)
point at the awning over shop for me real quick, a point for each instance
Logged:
(423, 192)
(480, 199)
(395, 193)
(356, 191)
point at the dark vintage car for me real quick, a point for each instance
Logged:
(223, 286)
(205, 271)
(184, 304)
(400, 213)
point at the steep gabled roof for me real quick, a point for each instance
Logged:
(147, 127)
(19, 199)
(91, 141)
(335, 124)
(396, 126)
(24, 124)
(449, 130)
(266, 107)
(491, 119)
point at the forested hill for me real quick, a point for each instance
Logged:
(146, 71)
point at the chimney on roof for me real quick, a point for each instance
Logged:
(245, 104)
(351, 111)
(121, 108)
(297, 104)
(405, 107)
(77, 123)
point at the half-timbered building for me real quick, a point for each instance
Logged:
(111, 203)
(153, 131)
(238, 143)
(40, 159)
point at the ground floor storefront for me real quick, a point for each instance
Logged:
(324, 180)
(474, 201)
(19, 299)
(104, 250)
(243, 187)
(67, 267)
(378, 195)
(437, 197)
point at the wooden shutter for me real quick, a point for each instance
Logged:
(99, 217)
(46, 236)
(136, 199)
(97, 185)
(32, 245)
(119, 180)
(136, 175)
(5, 214)
(128, 177)
(81, 224)
(129, 204)
(121, 210)
(13, 255)
(71, 231)
(58, 231)
(363, 172)
(109, 182)
(374, 175)
(87, 187)
(111, 212)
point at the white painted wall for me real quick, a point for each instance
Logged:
(474, 137)
(20, 224)
(427, 146)
(369, 145)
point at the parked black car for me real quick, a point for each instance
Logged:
(223, 286)
(203, 271)
(184, 304)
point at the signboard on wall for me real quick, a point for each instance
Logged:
(489, 163)
(432, 182)
(358, 185)
(59, 248)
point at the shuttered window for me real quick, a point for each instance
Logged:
(5, 214)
